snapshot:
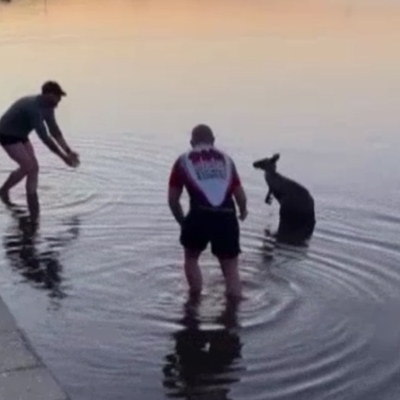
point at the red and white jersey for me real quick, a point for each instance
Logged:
(208, 174)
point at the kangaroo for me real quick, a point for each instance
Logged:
(296, 214)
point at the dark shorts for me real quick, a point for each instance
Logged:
(221, 229)
(6, 140)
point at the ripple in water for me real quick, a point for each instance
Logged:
(315, 324)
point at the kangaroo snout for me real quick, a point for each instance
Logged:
(259, 164)
(266, 164)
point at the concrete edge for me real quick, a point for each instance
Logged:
(25, 339)
(11, 324)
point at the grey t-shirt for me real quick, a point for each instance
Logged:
(26, 114)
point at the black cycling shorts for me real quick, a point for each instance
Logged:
(221, 229)
(6, 140)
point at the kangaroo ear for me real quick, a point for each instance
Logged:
(275, 157)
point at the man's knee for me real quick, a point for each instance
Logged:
(32, 172)
(31, 167)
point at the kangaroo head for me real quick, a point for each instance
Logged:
(268, 165)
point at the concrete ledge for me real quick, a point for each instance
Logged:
(7, 322)
(22, 374)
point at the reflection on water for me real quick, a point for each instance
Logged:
(205, 362)
(23, 248)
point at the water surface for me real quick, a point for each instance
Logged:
(100, 288)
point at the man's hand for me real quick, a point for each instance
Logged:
(74, 157)
(71, 159)
(243, 215)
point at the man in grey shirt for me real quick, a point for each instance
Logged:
(22, 117)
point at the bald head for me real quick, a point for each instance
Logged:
(202, 134)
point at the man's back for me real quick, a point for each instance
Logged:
(209, 175)
(20, 118)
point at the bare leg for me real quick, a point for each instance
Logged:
(33, 206)
(17, 153)
(23, 154)
(192, 272)
(32, 183)
(13, 179)
(230, 269)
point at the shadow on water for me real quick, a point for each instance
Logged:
(36, 258)
(205, 362)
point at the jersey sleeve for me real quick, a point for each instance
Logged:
(176, 177)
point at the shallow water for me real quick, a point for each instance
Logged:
(100, 288)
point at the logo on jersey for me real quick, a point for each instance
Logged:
(211, 171)
(208, 164)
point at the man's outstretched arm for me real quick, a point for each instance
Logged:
(56, 133)
(41, 130)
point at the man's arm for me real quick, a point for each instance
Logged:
(174, 195)
(46, 139)
(239, 193)
(55, 131)
(175, 189)
(241, 200)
